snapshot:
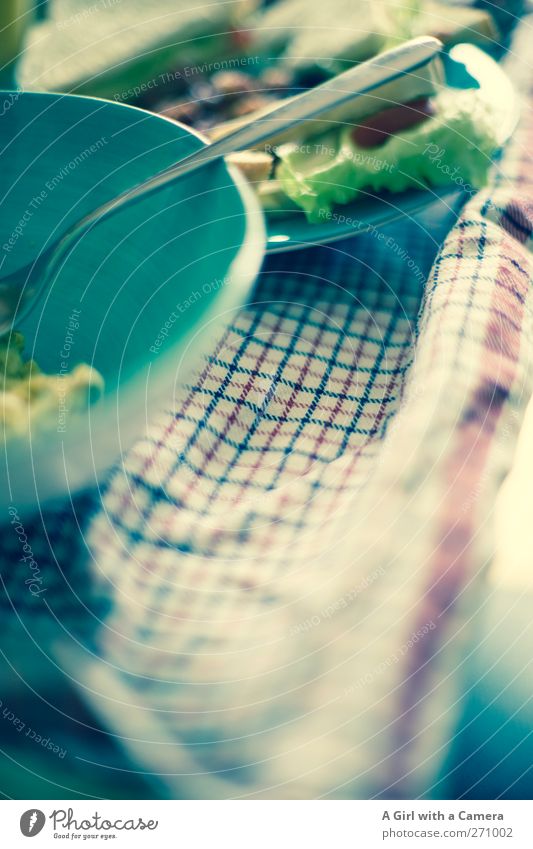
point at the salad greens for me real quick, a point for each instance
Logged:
(454, 146)
(31, 399)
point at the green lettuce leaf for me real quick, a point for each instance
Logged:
(455, 146)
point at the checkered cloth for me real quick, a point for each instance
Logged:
(276, 591)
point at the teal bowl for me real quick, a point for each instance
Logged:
(141, 294)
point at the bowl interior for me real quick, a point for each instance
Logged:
(139, 281)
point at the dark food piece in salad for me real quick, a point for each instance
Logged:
(376, 129)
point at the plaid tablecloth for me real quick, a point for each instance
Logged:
(274, 595)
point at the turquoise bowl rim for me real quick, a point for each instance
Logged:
(61, 473)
